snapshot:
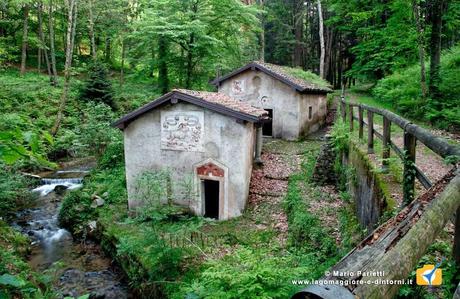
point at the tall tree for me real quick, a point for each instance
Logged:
(262, 31)
(70, 38)
(436, 9)
(163, 80)
(91, 30)
(321, 40)
(421, 46)
(42, 40)
(25, 26)
(299, 13)
(52, 47)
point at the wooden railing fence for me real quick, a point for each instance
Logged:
(396, 246)
(412, 134)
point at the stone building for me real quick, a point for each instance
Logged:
(206, 137)
(295, 100)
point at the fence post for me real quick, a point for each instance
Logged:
(409, 167)
(386, 143)
(456, 249)
(370, 132)
(343, 109)
(361, 122)
(350, 113)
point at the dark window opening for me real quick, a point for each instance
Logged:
(267, 128)
(310, 112)
(211, 199)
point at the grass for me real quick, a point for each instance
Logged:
(244, 257)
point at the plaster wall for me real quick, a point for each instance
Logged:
(290, 108)
(225, 142)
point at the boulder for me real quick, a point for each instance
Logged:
(97, 202)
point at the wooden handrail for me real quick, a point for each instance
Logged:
(436, 144)
(424, 180)
(395, 247)
(412, 133)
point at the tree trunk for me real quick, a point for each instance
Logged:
(71, 24)
(24, 39)
(39, 60)
(41, 37)
(298, 33)
(91, 30)
(52, 50)
(188, 78)
(435, 46)
(262, 33)
(108, 49)
(122, 70)
(163, 81)
(321, 39)
(421, 48)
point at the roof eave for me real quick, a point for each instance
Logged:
(254, 65)
(125, 120)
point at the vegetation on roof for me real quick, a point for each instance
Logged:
(306, 76)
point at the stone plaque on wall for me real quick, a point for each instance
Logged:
(182, 131)
(238, 87)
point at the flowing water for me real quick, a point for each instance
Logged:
(81, 268)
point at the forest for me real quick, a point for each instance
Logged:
(70, 68)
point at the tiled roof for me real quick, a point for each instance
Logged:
(214, 101)
(290, 76)
(224, 100)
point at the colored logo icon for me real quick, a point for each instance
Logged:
(429, 275)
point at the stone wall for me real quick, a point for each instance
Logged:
(324, 172)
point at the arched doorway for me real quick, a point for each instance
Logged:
(212, 186)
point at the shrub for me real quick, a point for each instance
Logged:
(402, 90)
(14, 191)
(95, 133)
(98, 87)
(243, 274)
(76, 211)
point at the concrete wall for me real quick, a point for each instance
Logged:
(365, 187)
(290, 108)
(228, 144)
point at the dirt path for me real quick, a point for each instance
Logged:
(270, 181)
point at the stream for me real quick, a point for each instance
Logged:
(79, 268)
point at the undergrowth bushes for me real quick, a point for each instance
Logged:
(14, 191)
(402, 91)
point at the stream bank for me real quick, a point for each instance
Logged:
(81, 267)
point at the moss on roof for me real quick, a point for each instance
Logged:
(306, 76)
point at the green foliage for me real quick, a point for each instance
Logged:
(95, 133)
(97, 87)
(18, 142)
(307, 76)
(76, 211)
(375, 28)
(152, 187)
(440, 249)
(243, 274)
(162, 262)
(202, 37)
(14, 191)
(341, 136)
(402, 90)
(113, 155)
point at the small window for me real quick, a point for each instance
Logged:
(310, 112)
